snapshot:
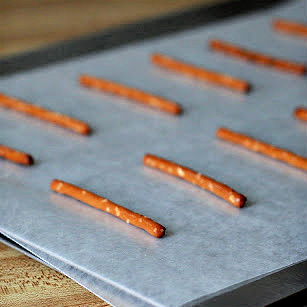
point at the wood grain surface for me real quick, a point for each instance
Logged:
(28, 24)
(25, 282)
(25, 25)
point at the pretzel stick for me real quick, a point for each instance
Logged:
(301, 113)
(290, 27)
(44, 114)
(15, 155)
(207, 183)
(260, 147)
(200, 73)
(108, 206)
(256, 57)
(131, 93)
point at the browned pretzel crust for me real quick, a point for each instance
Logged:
(108, 206)
(207, 183)
(261, 147)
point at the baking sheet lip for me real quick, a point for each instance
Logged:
(236, 293)
(261, 287)
(127, 291)
(11, 243)
(128, 33)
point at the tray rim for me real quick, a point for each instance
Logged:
(128, 33)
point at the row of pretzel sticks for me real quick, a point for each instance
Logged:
(263, 148)
(158, 102)
(290, 27)
(44, 114)
(258, 58)
(169, 167)
(215, 187)
(26, 159)
(218, 188)
(207, 183)
(152, 100)
(136, 219)
(108, 206)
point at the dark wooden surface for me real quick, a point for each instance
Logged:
(28, 24)
(25, 282)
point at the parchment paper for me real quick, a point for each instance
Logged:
(209, 244)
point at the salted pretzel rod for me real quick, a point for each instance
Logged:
(256, 57)
(301, 113)
(200, 73)
(131, 93)
(263, 148)
(290, 27)
(108, 206)
(207, 183)
(15, 155)
(44, 114)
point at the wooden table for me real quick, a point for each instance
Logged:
(28, 24)
(25, 282)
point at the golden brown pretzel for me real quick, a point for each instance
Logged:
(261, 147)
(257, 57)
(200, 73)
(44, 114)
(131, 93)
(198, 179)
(15, 155)
(108, 206)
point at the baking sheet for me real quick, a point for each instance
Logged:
(113, 295)
(209, 245)
(270, 287)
